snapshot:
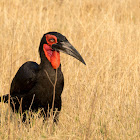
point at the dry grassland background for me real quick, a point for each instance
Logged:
(100, 100)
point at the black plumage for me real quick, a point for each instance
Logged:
(34, 84)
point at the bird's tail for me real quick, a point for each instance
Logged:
(4, 98)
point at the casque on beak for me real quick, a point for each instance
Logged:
(67, 48)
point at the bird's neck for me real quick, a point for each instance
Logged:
(50, 64)
(48, 54)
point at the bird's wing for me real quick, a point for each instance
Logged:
(24, 79)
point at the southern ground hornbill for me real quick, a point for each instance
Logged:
(35, 84)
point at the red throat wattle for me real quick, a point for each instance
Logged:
(52, 56)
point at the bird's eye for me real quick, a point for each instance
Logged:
(52, 40)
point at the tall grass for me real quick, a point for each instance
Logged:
(100, 100)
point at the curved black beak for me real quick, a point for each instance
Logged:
(67, 48)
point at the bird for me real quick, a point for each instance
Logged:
(39, 86)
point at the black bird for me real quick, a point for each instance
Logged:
(33, 84)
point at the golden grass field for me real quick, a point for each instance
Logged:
(101, 101)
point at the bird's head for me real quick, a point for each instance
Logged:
(52, 43)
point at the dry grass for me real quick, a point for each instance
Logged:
(100, 100)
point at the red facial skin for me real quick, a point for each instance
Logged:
(52, 56)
